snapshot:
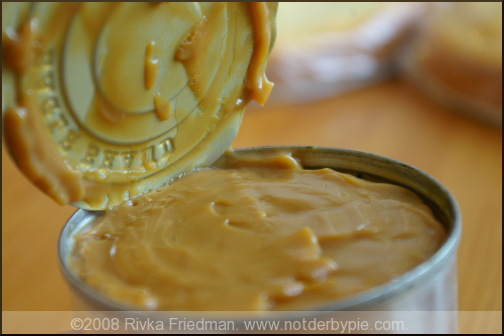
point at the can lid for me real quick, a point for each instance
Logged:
(105, 101)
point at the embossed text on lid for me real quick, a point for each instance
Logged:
(105, 101)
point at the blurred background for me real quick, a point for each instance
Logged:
(451, 51)
(416, 82)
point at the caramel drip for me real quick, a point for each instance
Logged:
(188, 50)
(30, 145)
(151, 66)
(163, 107)
(257, 84)
(17, 47)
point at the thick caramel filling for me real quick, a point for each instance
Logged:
(255, 236)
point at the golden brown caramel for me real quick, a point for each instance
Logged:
(255, 235)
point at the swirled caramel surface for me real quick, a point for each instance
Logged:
(255, 235)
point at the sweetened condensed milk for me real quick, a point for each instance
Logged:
(255, 235)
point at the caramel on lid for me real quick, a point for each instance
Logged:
(105, 101)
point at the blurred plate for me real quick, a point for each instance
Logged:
(457, 60)
(323, 49)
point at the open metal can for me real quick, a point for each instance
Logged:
(425, 296)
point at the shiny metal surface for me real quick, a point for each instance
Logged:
(119, 106)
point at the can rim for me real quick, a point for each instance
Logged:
(358, 301)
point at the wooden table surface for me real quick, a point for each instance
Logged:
(390, 119)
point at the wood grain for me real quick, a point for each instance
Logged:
(390, 119)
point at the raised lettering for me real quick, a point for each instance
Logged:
(168, 145)
(58, 124)
(46, 58)
(69, 140)
(47, 81)
(49, 107)
(128, 158)
(148, 157)
(91, 154)
(108, 160)
(157, 154)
